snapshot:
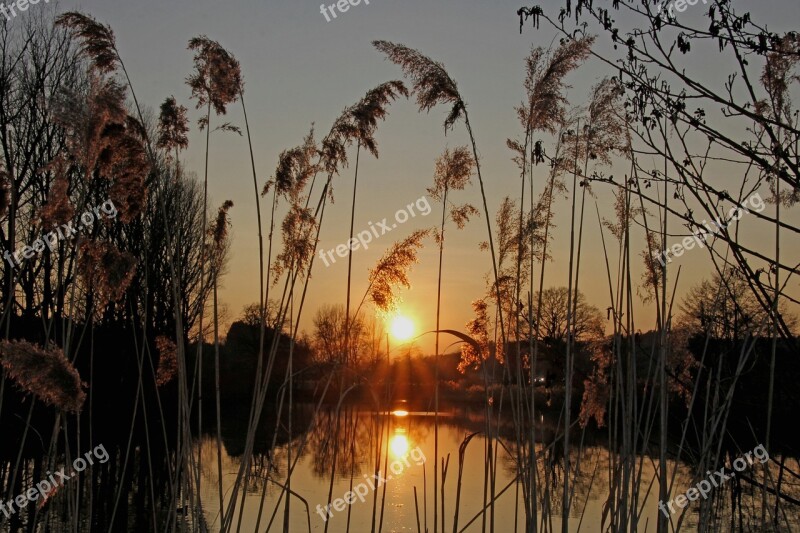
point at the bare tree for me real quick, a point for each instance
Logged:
(723, 308)
(587, 322)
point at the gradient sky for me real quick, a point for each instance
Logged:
(300, 69)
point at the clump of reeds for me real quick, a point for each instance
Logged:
(91, 121)
(45, 373)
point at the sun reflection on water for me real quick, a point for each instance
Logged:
(398, 445)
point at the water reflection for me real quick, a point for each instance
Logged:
(398, 444)
(350, 450)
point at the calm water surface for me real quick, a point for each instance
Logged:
(353, 456)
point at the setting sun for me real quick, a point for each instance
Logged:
(402, 328)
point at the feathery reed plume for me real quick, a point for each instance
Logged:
(97, 40)
(334, 146)
(651, 277)
(452, 172)
(778, 73)
(219, 233)
(432, 84)
(544, 84)
(91, 120)
(58, 208)
(172, 126)
(105, 269)
(478, 329)
(167, 360)
(299, 233)
(604, 129)
(392, 270)
(102, 138)
(45, 373)
(367, 111)
(461, 214)
(125, 161)
(218, 77)
(295, 168)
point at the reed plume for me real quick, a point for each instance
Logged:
(58, 208)
(334, 146)
(478, 329)
(98, 43)
(44, 372)
(544, 84)
(219, 233)
(604, 130)
(432, 84)
(105, 269)
(172, 126)
(167, 360)
(299, 237)
(102, 139)
(392, 270)
(295, 167)
(452, 172)
(218, 77)
(91, 120)
(778, 73)
(366, 113)
(125, 161)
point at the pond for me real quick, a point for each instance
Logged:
(336, 454)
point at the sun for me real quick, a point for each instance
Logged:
(402, 328)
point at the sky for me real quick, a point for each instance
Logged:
(300, 69)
